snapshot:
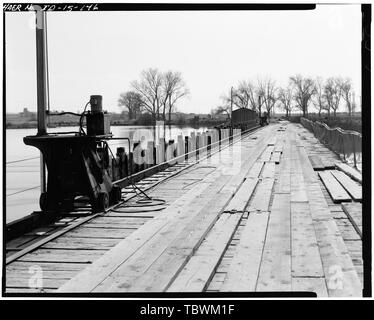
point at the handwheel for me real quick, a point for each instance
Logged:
(103, 201)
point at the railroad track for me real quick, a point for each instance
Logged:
(90, 234)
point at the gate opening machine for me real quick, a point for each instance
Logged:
(78, 164)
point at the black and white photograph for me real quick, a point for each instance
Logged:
(186, 150)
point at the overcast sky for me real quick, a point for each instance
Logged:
(102, 52)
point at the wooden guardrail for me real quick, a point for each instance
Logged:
(344, 142)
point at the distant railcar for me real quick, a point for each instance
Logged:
(243, 116)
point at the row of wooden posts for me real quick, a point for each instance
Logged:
(168, 152)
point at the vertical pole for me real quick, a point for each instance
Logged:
(41, 77)
(231, 111)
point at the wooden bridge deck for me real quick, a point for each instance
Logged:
(256, 216)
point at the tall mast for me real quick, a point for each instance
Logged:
(42, 85)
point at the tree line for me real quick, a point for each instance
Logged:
(301, 93)
(155, 93)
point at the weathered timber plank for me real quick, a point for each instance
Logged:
(275, 157)
(242, 196)
(200, 268)
(347, 230)
(111, 226)
(353, 173)
(316, 163)
(217, 282)
(73, 256)
(11, 290)
(298, 188)
(86, 232)
(158, 272)
(224, 264)
(317, 285)
(353, 188)
(244, 268)
(45, 274)
(90, 278)
(268, 171)
(119, 220)
(328, 162)
(255, 171)
(261, 198)
(20, 282)
(275, 268)
(278, 148)
(306, 260)
(145, 215)
(67, 242)
(336, 191)
(21, 266)
(354, 214)
(340, 273)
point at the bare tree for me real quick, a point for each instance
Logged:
(173, 88)
(285, 96)
(303, 91)
(150, 89)
(242, 95)
(223, 109)
(268, 91)
(132, 101)
(347, 95)
(333, 94)
(246, 95)
(319, 100)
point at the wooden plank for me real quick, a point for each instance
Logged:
(200, 268)
(244, 268)
(354, 214)
(353, 188)
(156, 271)
(353, 173)
(15, 281)
(306, 260)
(21, 266)
(261, 198)
(298, 188)
(275, 269)
(278, 148)
(119, 220)
(90, 278)
(28, 290)
(86, 232)
(316, 285)
(268, 171)
(265, 156)
(224, 264)
(341, 276)
(328, 162)
(111, 226)
(275, 157)
(336, 191)
(72, 256)
(347, 230)
(217, 282)
(255, 171)
(242, 196)
(66, 242)
(316, 162)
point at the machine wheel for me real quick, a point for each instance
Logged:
(116, 194)
(103, 201)
(43, 201)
